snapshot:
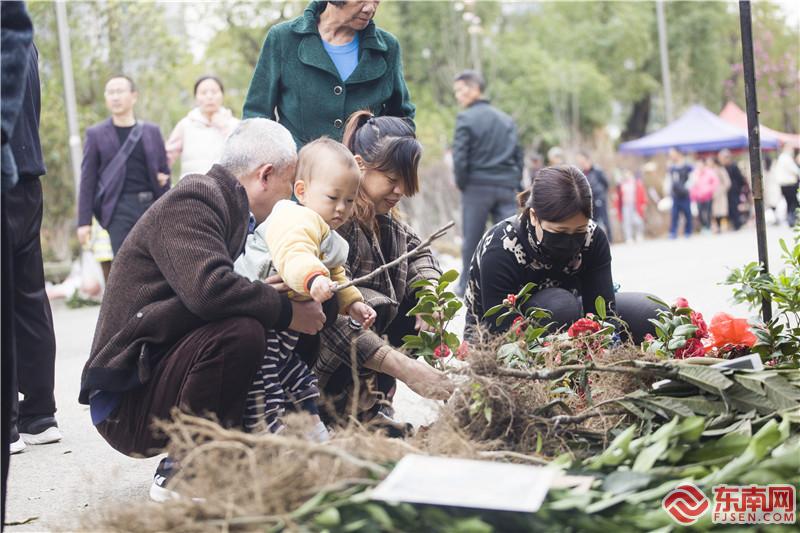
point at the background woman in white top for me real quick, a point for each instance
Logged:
(199, 136)
(786, 174)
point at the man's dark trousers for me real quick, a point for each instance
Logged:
(35, 348)
(207, 372)
(478, 203)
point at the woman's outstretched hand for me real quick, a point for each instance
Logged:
(418, 375)
(428, 382)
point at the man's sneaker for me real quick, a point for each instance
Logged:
(165, 472)
(39, 430)
(17, 444)
(384, 421)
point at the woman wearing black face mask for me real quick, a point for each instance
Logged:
(555, 244)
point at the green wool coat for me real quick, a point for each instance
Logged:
(296, 83)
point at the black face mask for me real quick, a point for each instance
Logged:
(561, 247)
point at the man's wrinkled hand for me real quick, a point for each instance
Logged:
(276, 282)
(84, 235)
(307, 317)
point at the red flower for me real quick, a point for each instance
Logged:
(512, 299)
(441, 351)
(692, 348)
(649, 338)
(583, 325)
(519, 325)
(702, 328)
(681, 302)
(463, 350)
(726, 329)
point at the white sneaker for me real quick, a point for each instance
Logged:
(18, 446)
(48, 436)
(39, 430)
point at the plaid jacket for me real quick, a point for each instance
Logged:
(384, 292)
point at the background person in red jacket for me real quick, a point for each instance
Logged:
(631, 203)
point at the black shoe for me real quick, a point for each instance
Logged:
(39, 430)
(165, 472)
(383, 421)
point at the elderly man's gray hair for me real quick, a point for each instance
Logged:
(255, 142)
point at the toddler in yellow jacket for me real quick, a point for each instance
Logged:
(299, 241)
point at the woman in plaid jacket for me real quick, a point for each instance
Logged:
(388, 153)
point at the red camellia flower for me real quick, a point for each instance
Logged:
(702, 328)
(583, 325)
(441, 351)
(463, 349)
(681, 302)
(692, 348)
(519, 325)
(512, 299)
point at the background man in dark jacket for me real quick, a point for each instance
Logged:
(735, 191)
(118, 192)
(178, 327)
(487, 161)
(599, 184)
(679, 172)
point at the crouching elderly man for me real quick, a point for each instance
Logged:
(178, 327)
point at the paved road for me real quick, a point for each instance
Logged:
(60, 483)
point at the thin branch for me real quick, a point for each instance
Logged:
(383, 268)
(577, 419)
(513, 455)
(556, 373)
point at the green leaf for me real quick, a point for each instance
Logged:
(616, 452)
(726, 446)
(691, 429)
(450, 276)
(781, 393)
(708, 379)
(493, 310)
(600, 307)
(686, 330)
(470, 525)
(421, 284)
(528, 287)
(379, 515)
(669, 406)
(648, 456)
(675, 343)
(330, 517)
(622, 481)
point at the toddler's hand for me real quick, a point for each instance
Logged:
(321, 289)
(363, 314)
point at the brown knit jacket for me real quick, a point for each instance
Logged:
(173, 274)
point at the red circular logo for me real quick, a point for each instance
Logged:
(686, 504)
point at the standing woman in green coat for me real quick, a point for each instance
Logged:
(316, 70)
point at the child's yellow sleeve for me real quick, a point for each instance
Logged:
(348, 296)
(294, 242)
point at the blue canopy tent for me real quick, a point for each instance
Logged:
(697, 130)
